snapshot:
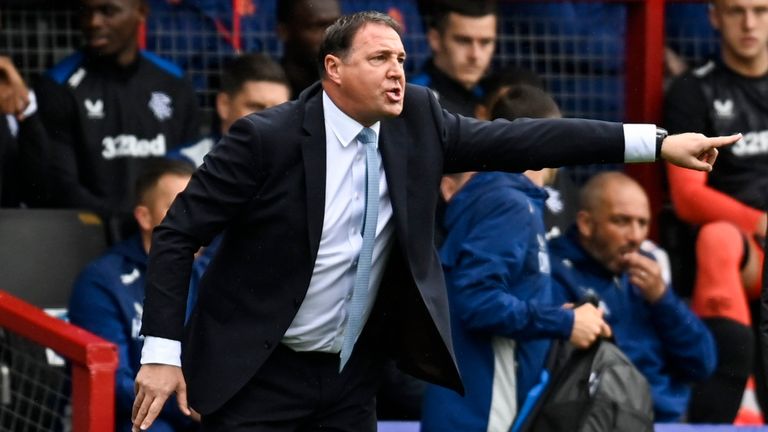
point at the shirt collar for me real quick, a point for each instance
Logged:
(343, 126)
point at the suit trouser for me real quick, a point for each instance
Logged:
(304, 391)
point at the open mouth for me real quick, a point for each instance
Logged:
(395, 94)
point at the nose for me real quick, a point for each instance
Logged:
(636, 233)
(750, 20)
(92, 19)
(396, 70)
(474, 50)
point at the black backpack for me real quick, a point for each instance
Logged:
(592, 390)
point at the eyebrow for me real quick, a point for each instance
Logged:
(389, 53)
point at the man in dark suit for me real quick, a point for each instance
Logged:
(269, 344)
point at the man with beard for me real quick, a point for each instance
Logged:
(601, 256)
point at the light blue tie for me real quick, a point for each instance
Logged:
(360, 294)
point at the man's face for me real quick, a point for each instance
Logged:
(304, 32)
(617, 226)
(253, 96)
(110, 27)
(464, 49)
(743, 25)
(370, 76)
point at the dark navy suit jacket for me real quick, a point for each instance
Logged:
(264, 185)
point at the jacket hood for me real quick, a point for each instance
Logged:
(132, 250)
(488, 181)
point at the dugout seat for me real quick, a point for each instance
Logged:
(42, 251)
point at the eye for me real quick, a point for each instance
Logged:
(378, 59)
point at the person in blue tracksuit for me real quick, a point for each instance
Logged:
(601, 255)
(503, 315)
(108, 295)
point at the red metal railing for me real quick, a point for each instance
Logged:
(93, 360)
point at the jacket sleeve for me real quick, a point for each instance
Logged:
(697, 203)
(58, 111)
(688, 344)
(228, 179)
(501, 145)
(94, 308)
(34, 156)
(483, 275)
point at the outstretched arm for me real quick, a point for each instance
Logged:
(698, 203)
(693, 150)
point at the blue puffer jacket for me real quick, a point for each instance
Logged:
(497, 273)
(107, 300)
(665, 340)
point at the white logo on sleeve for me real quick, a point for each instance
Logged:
(544, 266)
(129, 278)
(94, 109)
(160, 104)
(76, 78)
(138, 309)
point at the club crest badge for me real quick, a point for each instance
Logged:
(160, 104)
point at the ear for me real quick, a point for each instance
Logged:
(143, 218)
(584, 223)
(434, 39)
(333, 68)
(222, 105)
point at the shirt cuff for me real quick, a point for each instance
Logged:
(639, 143)
(161, 350)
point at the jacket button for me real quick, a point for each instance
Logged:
(267, 345)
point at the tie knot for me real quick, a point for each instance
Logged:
(367, 136)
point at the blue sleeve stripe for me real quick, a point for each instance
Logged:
(163, 64)
(65, 68)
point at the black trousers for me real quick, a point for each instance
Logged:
(303, 392)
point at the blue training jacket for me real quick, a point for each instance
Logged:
(664, 340)
(502, 312)
(107, 300)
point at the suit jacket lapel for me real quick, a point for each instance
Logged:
(313, 151)
(394, 143)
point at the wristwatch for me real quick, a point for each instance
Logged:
(661, 133)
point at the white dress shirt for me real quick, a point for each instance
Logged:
(319, 323)
(321, 319)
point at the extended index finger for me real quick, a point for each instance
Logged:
(720, 141)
